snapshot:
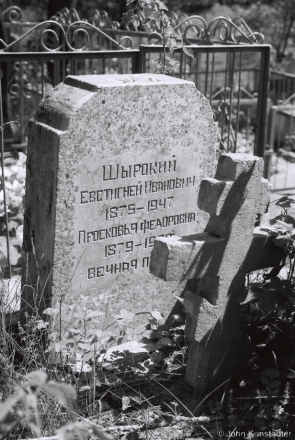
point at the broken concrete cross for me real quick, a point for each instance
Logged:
(218, 261)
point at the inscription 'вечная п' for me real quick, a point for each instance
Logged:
(127, 229)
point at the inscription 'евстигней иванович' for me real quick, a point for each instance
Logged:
(135, 203)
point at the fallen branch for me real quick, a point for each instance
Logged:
(144, 426)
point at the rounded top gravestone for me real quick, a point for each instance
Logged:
(114, 161)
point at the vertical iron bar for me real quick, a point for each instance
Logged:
(259, 145)
(143, 59)
(22, 103)
(62, 66)
(56, 67)
(281, 87)
(286, 160)
(212, 76)
(64, 70)
(136, 63)
(275, 172)
(247, 124)
(278, 146)
(181, 65)
(3, 183)
(42, 77)
(207, 73)
(288, 87)
(239, 99)
(197, 70)
(147, 59)
(72, 67)
(231, 85)
(224, 99)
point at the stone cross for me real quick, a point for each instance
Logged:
(217, 262)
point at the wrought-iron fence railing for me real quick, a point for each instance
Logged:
(281, 87)
(237, 94)
(194, 29)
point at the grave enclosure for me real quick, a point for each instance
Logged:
(113, 163)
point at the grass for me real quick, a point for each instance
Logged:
(145, 397)
(142, 394)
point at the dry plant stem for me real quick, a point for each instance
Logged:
(250, 409)
(166, 389)
(292, 268)
(223, 396)
(54, 437)
(263, 397)
(206, 397)
(181, 405)
(92, 400)
(5, 346)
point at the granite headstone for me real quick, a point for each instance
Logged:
(113, 162)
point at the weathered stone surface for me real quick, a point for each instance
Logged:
(113, 162)
(219, 260)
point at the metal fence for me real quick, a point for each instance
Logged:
(228, 67)
(281, 86)
(280, 140)
(238, 96)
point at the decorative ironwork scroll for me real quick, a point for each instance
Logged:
(13, 14)
(78, 28)
(67, 31)
(221, 30)
(48, 31)
(61, 33)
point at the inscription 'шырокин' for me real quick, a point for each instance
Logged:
(115, 172)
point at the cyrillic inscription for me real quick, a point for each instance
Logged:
(115, 172)
(146, 225)
(101, 195)
(128, 217)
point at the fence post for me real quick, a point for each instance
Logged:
(136, 62)
(143, 52)
(262, 102)
(267, 162)
(3, 180)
